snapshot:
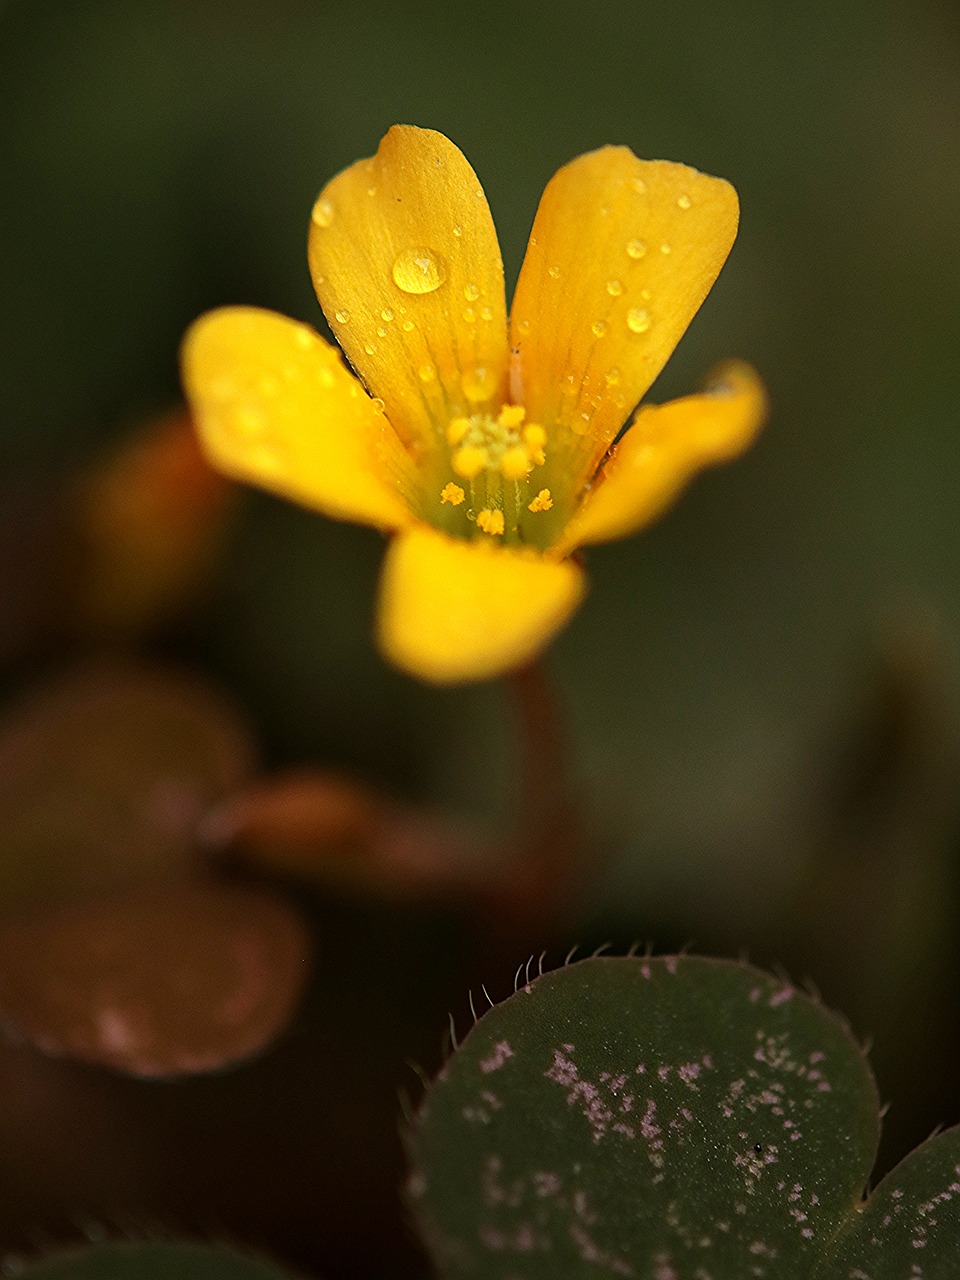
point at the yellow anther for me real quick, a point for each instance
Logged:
(542, 502)
(490, 521)
(535, 437)
(469, 461)
(452, 493)
(515, 463)
(457, 429)
(511, 415)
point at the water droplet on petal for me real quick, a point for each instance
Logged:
(387, 314)
(471, 293)
(554, 273)
(665, 248)
(599, 328)
(426, 373)
(378, 404)
(469, 315)
(523, 326)
(614, 288)
(612, 378)
(370, 349)
(341, 317)
(408, 326)
(486, 313)
(323, 213)
(381, 331)
(419, 270)
(477, 384)
(636, 249)
(303, 337)
(638, 320)
(684, 202)
(639, 186)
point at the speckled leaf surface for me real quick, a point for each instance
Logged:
(675, 1118)
(910, 1226)
(151, 1261)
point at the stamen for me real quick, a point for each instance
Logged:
(542, 502)
(457, 429)
(470, 460)
(510, 416)
(452, 493)
(490, 521)
(515, 463)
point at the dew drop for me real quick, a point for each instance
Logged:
(614, 288)
(612, 378)
(471, 293)
(408, 326)
(636, 249)
(599, 328)
(523, 327)
(323, 213)
(387, 314)
(370, 349)
(638, 320)
(477, 384)
(419, 270)
(371, 191)
(303, 337)
(458, 232)
(341, 317)
(640, 186)
(426, 373)
(378, 405)
(381, 331)
(486, 313)
(469, 315)
(665, 248)
(554, 273)
(684, 202)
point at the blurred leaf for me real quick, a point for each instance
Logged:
(151, 1261)
(144, 529)
(104, 774)
(182, 980)
(327, 828)
(675, 1117)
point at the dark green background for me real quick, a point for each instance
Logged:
(159, 158)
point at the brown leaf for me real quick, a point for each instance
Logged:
(104, 775)
(155, 983)
(330, 829)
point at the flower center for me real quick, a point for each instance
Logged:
(494, 461)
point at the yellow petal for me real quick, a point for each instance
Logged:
(665, 446)
(622, 253)
(452, 610)
(275, 406)
(407, 268)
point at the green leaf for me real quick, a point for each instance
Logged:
(910, 1227)
(141, 1261)
(674, 1118)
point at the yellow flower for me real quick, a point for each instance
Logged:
(486, 447)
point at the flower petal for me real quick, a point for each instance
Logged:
(275, 406)
(623, 251)
(407, 268)
(665, 446)
(452, 610)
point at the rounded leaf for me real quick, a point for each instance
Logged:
(675, 1117)
(182, 980)
(104, 775)
(151, 1261)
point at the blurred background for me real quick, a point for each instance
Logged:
(761, 689)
